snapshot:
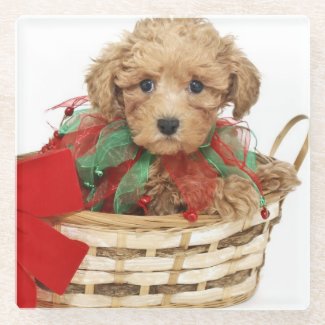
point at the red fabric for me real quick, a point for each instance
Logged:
(228, 155)
(194, 177)
(111, 180)
(73, 102)
(47, 185)
(51, 257)
(83, 141)
(85, 138)
(107, 188)
(26, 289)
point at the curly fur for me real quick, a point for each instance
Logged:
(172, 52)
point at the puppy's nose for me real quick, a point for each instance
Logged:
(168, 126)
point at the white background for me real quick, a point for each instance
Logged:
(53, 55)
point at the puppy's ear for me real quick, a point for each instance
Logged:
(102, 90)
(244, 83)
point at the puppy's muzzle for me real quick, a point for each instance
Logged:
(168, 126)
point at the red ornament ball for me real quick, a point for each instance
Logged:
(69, 111)
(143, 202)
(191, 216)
(146, 199)
(265, 213)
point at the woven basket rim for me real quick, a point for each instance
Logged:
(111, 222)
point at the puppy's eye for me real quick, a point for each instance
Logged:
(195, 86)
(147, 85)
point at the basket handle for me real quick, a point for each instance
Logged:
(303, 150)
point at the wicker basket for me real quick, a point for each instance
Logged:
(166, 261)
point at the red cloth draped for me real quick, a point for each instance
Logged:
(195, 179)
(47, 185)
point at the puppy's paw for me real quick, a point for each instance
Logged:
(235, 198)
(166, 202)
(278, 176)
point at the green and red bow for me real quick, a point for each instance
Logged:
(113, 170)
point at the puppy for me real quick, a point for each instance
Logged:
(169, 79)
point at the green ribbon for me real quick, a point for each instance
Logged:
(215, 160)
(131, 187)
(114, 146)
(72, 123)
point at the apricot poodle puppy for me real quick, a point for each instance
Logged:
(169, 78)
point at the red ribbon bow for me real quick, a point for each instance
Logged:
(47, 186)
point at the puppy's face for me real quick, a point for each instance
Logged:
(169, 78)
(171, 95)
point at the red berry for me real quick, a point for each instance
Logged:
(265, 213)
(143, 202)
(56, 134)
(191, 216)
(69, 111)
(146, 199)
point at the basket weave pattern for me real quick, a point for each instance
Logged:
(163, 261)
